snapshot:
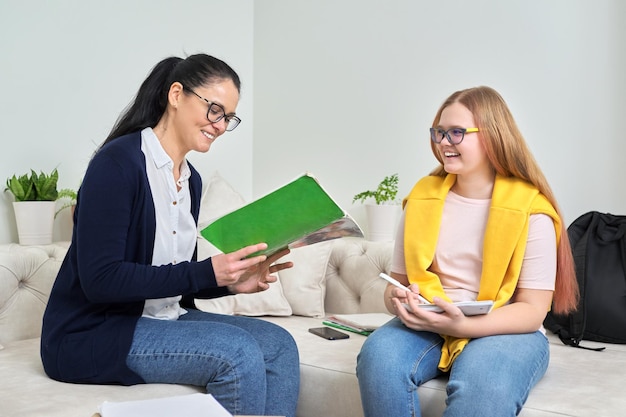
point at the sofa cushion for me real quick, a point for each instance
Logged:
(305, 284)
(25, 390)
(328, 383)
(218, 198)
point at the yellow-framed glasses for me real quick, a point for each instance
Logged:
(454, 135)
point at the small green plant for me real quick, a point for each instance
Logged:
(69, 196)
(386, 191)
(42, 187)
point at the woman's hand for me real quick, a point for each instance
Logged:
(405, 304)
(451, 321)
(524, 314)
(392, 292)
(248, 275)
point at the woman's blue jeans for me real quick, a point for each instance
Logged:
(491, 377)
(250, 366)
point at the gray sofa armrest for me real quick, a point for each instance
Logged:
(26, 277)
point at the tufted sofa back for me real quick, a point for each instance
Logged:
(26, 277)
(352, 282)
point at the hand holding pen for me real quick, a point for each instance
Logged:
(397, 284)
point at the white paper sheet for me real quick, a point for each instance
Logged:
(191, 405)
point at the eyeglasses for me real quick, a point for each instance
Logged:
(215, 113)
(454, 135)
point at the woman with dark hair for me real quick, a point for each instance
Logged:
(121, 310)
(484, 225)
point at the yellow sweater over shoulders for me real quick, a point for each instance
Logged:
(512, 202)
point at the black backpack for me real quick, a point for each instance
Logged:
(598, 243)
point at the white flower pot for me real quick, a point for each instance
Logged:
(35, 221)
(381, 221)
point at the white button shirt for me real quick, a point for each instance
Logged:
(175, 238)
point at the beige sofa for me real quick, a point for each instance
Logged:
(332, 277)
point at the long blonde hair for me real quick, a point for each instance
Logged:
(509, 156)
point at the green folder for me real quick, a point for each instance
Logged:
(348, 328)
(294, 215)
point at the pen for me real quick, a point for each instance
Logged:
(397, 284)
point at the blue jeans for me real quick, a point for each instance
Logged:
(250, 366)
(491, 377)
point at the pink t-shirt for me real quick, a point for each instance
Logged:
(458, 255)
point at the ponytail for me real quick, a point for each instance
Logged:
(149, 104)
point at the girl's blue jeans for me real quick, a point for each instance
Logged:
(250, 366)
(491, 377)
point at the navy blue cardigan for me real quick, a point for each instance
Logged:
(106, 276)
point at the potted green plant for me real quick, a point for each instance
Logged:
(381, 216)
(35, 201)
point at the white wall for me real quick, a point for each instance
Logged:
(69, 67)
(344, 89)
(347, 89)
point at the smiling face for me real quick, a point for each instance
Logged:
(468, 157)
(196, 132)
(184, 127)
